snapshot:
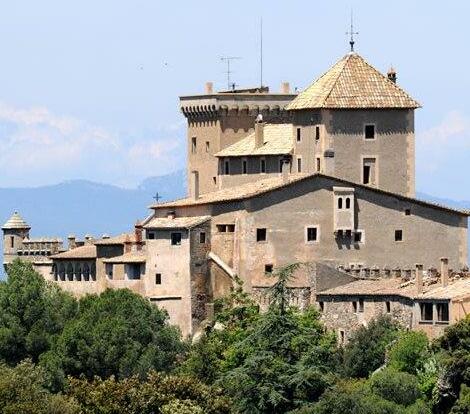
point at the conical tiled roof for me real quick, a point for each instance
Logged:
(353, 83)
(15, 222)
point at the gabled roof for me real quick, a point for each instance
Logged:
(15, 222)
(277, 141)
(353, 83)
(175, 223)
(256, 188)
(83, 252)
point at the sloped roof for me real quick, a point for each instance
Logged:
(175, 223)
(15, 222)
(131, 257)
(277, 141)
(120, 239)
(83, 252)
(352, 83)
(253, 189)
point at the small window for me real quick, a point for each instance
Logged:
(158, 278)
(366, 174)
(318, 164)
(193, 145)
(230, 228)
(281, 162)
(244, 167)
(317, 133)
(214, 180)
(202, 237)
(442, 312)
(341, 336)
(150, 235)
(226, 167)
(398, 235)
(298, 135)
(321, 306)
(348, 203)
(262, 166)
(221, 228)
(268, 268)
(407, 212)
(387, 307)
(260, 235)
(312, 234)
(299, 164)
(361, 305)
(354, 306)
(369, 131)
(176, 239)
(208, 145)
(358, 236)
(426, 311)
(340, 203)
(12, 241)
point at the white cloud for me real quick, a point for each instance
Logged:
(39, 147)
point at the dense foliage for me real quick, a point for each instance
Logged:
(117, 353)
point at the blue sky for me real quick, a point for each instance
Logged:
(89, 89)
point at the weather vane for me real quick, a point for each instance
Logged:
(352, 33)
(157, 197)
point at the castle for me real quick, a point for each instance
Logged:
(324, 177)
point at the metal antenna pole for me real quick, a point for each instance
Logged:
(228, 59)
(352, 33)
(261, 53)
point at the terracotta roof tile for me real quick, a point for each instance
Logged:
(175, 223)
(83, 252)
(116, 239)
(131, 257)
(352, 83)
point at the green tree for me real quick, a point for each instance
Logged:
(116, 333)
(32, 313)
(399, 387)
(22, 390)
(365, 351)
(410, 352)
(462, 406)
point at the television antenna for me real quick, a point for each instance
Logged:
(229, 60)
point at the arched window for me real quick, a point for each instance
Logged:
(86, 272)
(62, 272)
(340, 203)
(70, 272)
(348, 203)
(54, 272)
(78, 273)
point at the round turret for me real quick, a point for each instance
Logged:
(16, 222)
(15, 230)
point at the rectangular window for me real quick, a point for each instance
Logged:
(298, 135)
(358, 236)
(221, 228)
(299, 164)
(442, 312)
(244, 167)
(361, 305)
(230, 228)
(202, 237)
(150, 235)
(318, 164)
(176, 239)
(260, 235)
(134, 271)
(407, 212)
(398, 235)
(369, 131)
(12, 241)
(214, 180)
(193, 145)
(426, 311)
(268, 268)
(387, 307)
(341, 336)
(366, 174)
(262, 166)
(354, 306)
(369, 171)
(317, 133)
(281, 162)
(226, 167)
(207, 146)
(158, 278)
(312, 234)
(109, 270)
(322, 306)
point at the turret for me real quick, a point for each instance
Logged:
(15, 230)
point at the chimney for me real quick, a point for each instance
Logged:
(138, 235)
(419, 279)
(392, 75)
(209, 88)
(88, 239)
(259, 131)
(444, 271)
(72, 241)
(285, 88)
(127, 244)
(285, 169)
(105, 236)
(194, 185)
(171, 214)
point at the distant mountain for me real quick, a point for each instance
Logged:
(82, 207)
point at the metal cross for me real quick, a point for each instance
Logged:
(352, 33)
(157, 197)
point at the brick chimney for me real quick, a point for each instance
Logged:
(444, 271)
(259, 131)
(209, 88)
(285, 88)
(194, 185)
(392, 75)
(72, 240)
(419, 279)
(138, 229)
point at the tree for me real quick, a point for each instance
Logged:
(158, 393)
(365, 351)
(116, 333)
(399, 387)
(22, 390)
(32, 313)
(410, 352)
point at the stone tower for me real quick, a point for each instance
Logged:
(15, 230)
